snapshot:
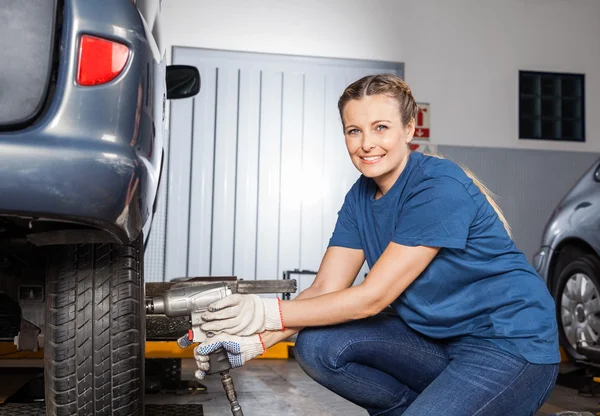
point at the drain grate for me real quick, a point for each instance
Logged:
(39, 409)
(174, 410)
(23, 409)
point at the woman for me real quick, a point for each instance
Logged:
(471, 329)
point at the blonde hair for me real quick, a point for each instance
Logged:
(393, 86)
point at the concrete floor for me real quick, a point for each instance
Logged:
(280, 387)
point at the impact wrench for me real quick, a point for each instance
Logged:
(192, 301)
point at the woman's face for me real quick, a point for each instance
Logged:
(376, 139)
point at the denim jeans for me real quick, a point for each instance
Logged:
(385, 367)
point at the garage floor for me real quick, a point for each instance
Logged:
(280, 387)
(270, 388)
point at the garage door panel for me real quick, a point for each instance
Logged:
(225, 172)
(247, 174)
(269, 176)
(291, 172)
(201, 160)
(178, 188)
(312, 171)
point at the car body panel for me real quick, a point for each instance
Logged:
(576, 219)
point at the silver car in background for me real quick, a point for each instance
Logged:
(569, 262)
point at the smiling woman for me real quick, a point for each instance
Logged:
(473, 328)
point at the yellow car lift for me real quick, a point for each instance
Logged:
(154, 349)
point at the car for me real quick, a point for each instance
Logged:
(569, 262)
(83, 116)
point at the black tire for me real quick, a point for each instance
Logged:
(588, 265)
(95, 330)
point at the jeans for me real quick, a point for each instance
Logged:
(383, 366)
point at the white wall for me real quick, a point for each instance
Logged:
(462, 56)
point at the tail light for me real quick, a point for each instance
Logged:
(100, 60)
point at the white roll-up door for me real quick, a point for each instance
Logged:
(256, 166)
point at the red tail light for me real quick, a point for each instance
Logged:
(100, 60)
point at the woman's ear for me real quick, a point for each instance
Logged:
(410, 130)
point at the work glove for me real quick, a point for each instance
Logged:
(242, 315)
(239, 351)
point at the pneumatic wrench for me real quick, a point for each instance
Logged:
(193, 300)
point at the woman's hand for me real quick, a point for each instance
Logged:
(239, 351)
(243, 315)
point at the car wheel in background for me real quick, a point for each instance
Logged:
(577, 297)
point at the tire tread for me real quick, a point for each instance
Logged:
(93, 352)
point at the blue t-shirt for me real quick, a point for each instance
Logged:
(479, 284)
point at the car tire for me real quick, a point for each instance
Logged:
(577, 298)
(95, 330)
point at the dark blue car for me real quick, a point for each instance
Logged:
(83, 90)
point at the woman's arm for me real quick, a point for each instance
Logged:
(337, 271)
(395, 270)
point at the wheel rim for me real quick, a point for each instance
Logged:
(580, 310)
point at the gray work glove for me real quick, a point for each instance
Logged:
(239, 351)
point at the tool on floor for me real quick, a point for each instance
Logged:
(193, 300)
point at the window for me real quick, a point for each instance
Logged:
(551, 106)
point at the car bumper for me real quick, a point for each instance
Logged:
(96, 185)
(541, 262)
